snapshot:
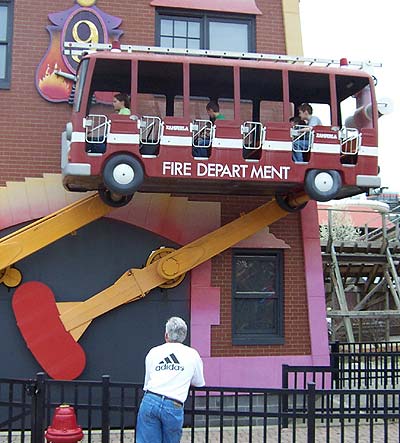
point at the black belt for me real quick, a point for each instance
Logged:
(165, 397)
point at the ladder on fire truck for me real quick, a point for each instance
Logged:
(77, 48)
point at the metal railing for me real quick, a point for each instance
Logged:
(107, 410)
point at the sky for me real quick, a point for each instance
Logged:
(362, 30)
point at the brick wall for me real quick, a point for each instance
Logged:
(296, 329)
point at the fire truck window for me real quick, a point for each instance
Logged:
(355, 101)
(112, 75)
(152, 105)
(271, 111)
(312, 88)
(100, 102)
(226, 107)
(159, 83)
(264, 88)
(246, 110)
(209, 82)
(197, 107)
(80, 83)
(322, 111)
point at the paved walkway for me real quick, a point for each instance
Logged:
(335, 435)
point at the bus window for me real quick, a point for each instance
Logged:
(110, 76)
(80, 82)
(246, 110)
(149, 104)
(312, 88)
(355, 102)
(262, 86)
(197, 107)
(271, 111)
(323, 111)
(158, 85)
(209, 82)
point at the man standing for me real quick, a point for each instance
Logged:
(170, 370)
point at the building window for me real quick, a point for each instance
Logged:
(205, 31)
(6, 22)
(257, 297)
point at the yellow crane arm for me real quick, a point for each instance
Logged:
(135, 283)
(37, 235)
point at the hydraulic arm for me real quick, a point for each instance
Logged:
(52, 333)
(41, 233)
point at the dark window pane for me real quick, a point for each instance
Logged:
(257, 297)
(228, 36)
(254, 274)
(255, 316)
(3, 23)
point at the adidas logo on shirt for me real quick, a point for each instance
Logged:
(170, 363)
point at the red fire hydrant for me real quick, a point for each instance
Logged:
(64, 428)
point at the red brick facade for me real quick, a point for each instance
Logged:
(296, 330)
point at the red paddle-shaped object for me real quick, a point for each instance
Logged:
(39, 321)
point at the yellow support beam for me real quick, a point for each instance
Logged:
(37, 235)
(136, 283)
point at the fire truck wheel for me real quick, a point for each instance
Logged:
(282, 201)
(322, 185)
(123, 174)
(114, 200)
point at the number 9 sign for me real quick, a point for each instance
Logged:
(85, 26)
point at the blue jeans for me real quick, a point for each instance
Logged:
(160, 420)
(299, 146)
(198, 151)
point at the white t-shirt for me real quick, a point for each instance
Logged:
(170, 370)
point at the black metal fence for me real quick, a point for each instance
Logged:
(107, 412)
(352, 366)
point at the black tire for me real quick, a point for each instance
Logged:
(123, 174)
(322, 185)
(114, 200)
(282, 201)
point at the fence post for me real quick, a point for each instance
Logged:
(38, 409)
(311, 413)
(285, 397)
(105, 409)
(335, 363)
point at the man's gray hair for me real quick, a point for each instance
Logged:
(176, 329)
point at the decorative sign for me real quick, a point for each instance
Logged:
(84, 23)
